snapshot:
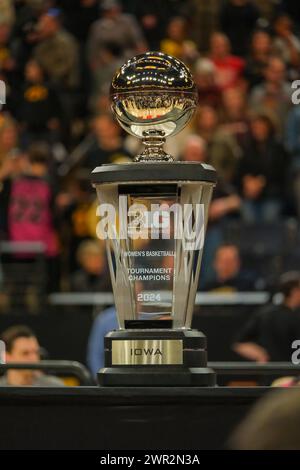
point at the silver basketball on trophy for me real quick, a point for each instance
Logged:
(153, 96)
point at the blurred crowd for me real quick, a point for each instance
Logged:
(57, 59)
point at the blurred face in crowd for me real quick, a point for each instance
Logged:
(102, 103)
(5, 31)
(260, 129)
(8, 138)
(261, 43)
(204, 74)
(283, 26)
(24, 349)
(207, 119)
(219, 46)
(93, 262)
(106, 128)
(293, 300)
(227, 262)
(33, 72)
(47, 26)
(204, 80)
(195, 150)
(15, 163)
(176, 29)
(38, 169)
(112, 12)
(234, 101)
(275, 71)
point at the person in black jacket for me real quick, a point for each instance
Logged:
(39, 107)
(93, 274)
(238, 19)
(269, 334)
(262, 172)
(229, 275)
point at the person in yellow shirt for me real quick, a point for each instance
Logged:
(176, 42)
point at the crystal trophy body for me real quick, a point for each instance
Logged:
(153, 214)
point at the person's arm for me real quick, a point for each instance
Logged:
(95, 350)
(103, 324)
(247, 341)
(223, 206)
(251, 351)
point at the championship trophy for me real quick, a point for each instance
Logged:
(153, 215)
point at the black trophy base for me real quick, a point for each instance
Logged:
(154, 377)
(156, 358)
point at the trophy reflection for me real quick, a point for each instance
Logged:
(153, 215)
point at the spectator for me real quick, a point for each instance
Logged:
(234, 114)
(108, 144)
(79, 16)
(274, 93)
(238, 19)
(194, 149)
(229, 68)
(7, 59)
(77, 215)
(176, 42)
(22, 346)
(229, 276)
(262, 172)
(286, 44)
(100, 104)
(105, 322)
(117, 28)
(25, 30)
(269, 334)
(7, 12)
(92, 275)
(14, 165)
(222, 149)
(8, 136)
(290, 8)
(205, 79)
(271, 425)
(205, 20)
(57, 51)
(103, 73)
(153, 17)
(258, 57)
(225, 204)
(30, 215)
(39, 107)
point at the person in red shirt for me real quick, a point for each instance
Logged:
(228, 68)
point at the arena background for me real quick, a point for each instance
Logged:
(57, 59)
